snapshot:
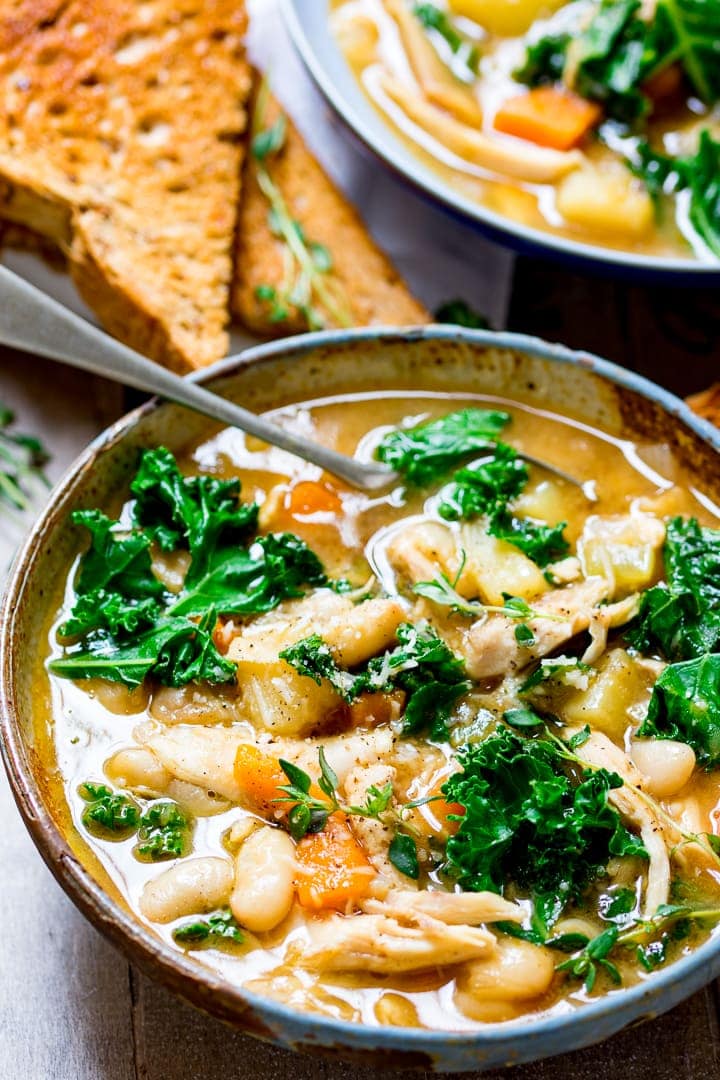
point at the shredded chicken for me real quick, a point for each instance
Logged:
(372, 834)
(206, 756)
(385, 945)
(453, 909)
(605, 618)
(599, 751)
(491, 649)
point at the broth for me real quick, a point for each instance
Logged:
(89, 725)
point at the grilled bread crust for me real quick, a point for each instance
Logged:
(121, 140)
(374, 291)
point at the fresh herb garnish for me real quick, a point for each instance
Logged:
(403, 855)
(308, 287)
(459, 313)
(164, 832)
(220, 926)
(309, 812)
(698, 174)
(426, 452)
(421, 664)
(108, 814)
(465, 54)
(530, 822)
(21, 460)
(129, 626)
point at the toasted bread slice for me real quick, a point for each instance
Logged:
(355, 285)
(121, 131)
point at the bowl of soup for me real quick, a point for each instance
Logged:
(589, 129)
(426, 777)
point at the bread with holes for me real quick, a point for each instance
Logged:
(364, 286)
(121, 139)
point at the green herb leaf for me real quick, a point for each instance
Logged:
(541, 543)
(524, 636)
(422, 665)
(426, 452)
(485, 487)
(403, 855)
(21, 460)
(685, 705)
(108, 814)
(271, 140)
(220, 926)
(164, 832)
(527, 822)
(459, 313)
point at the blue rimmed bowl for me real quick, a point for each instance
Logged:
(309, 25)
(432, 358)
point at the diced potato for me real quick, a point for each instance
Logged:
(615, 698)
(505, 17)
(276, 697)
(548, 501)
(624, 548)
(606, 203)
(494, 567)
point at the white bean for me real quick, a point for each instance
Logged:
(666, 764)
(198, 801)
(190, 887)
(492, 989)
(138, 769)
(264, 879)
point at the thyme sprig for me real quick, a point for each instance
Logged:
(307, 284)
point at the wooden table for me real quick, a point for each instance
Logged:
(71, 1008)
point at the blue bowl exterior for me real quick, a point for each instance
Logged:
(503, 1044)
(307, 21)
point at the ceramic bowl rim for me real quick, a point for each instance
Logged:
(203, 986)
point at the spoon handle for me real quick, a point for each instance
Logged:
(33, 321)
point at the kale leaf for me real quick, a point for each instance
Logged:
(685, 705)
(698, 173)
(219, 926)
(116, 588)
(194, 512)
(425, 453)
(126, 624)
(682, 618)
(108, 814)
(164, 832)
(541, 543)
(421, 664)
(527, 822)
(486, 487)
(611, 59)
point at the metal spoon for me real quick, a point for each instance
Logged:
(33, 321)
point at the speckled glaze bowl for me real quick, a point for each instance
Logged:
(309, 25)
(436, 358)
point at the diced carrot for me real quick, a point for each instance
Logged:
(548, 116)
(370, 710)
(259, 778)
(310, 497)
(334, 870)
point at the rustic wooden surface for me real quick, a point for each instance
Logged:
(71, 1008)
